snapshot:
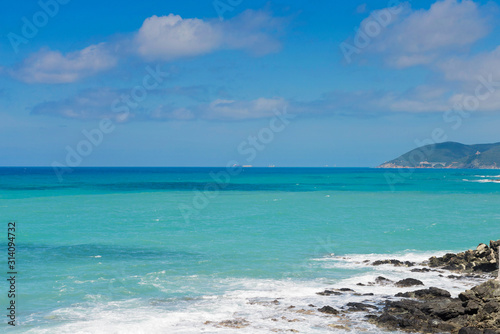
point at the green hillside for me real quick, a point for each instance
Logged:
(449, 155)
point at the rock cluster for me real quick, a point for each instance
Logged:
(483, 259)
(434, 311)
(394, 262)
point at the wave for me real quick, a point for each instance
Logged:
(483, 180)
(254, 305)
(438, 278)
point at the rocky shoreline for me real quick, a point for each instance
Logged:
(454, 293)
(434, 310)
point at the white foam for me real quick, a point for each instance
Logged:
(264, 304)
(249, 299)
(484, 180)
(436, 278)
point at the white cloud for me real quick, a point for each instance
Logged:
(159, 38)
(470, 68)
(91, 104)
(369, 103)
(439, 38)
(491, 102)
(171, 113)
(88, 104)
(239, 110)
(419, 37)
(170, 37)
(48, 66)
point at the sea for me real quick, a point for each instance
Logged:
(228, 250)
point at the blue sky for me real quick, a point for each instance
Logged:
(206, 83)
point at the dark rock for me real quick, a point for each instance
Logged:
(470, 330)
(360, 306)
(482, 259)
(485, 267)
(328, 309)
(328, 293)
(346, 289)
(409, 282)
(433, 311)
(445, 309)
(420, 270)
(488, 290)
(383, 281)
(394, 262)
(491, 331)
(430, 293)
(472, 307)
(491, 307)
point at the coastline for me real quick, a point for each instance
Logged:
(396, 166)
(422, 304)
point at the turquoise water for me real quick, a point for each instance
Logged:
(151, 250)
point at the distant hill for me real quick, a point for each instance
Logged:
(449, 155)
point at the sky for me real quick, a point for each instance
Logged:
(218, 82)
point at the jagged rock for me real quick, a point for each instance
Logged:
(485, 267)
(359, 306)
(328, 293)
(236, 323)
(475, 311)
(409, 282)
(482, 249)
(470, 330)
(342, 327)
(474, 330)
(383, 281)
(394, 262)
(494, 244)
(328, 309)
(491, 331)
(483, 259)
(430, 293)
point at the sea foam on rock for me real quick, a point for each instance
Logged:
(433, 310)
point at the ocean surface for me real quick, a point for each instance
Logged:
(181, 250)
